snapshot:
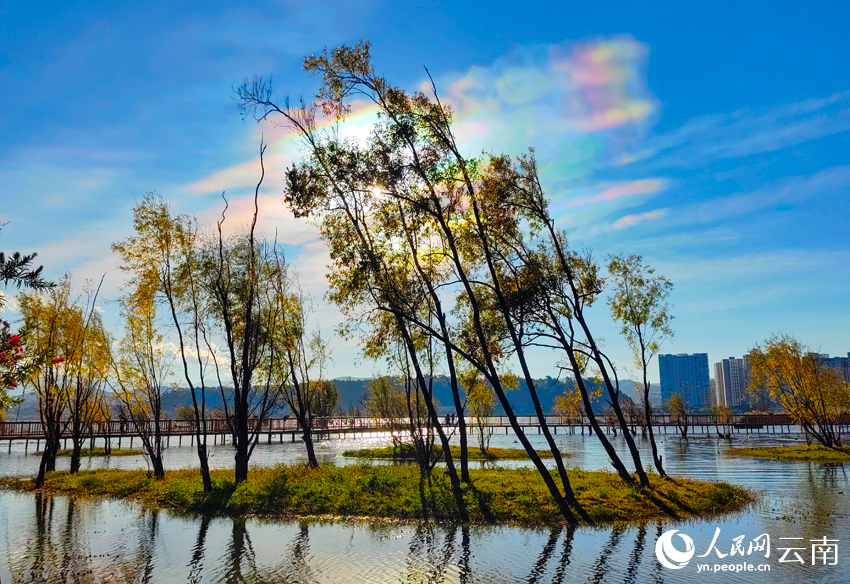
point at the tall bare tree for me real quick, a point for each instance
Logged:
(162, 262)
(639, 302)
(139, 374)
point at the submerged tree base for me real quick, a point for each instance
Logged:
(496, 496)
(407, 452)
(813, 453)
(89, 452)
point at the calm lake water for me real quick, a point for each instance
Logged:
(60, 540)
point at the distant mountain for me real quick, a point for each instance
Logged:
(353, 392)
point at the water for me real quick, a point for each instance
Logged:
(60, 540)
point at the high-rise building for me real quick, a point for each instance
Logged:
(840, 364)
(731, 378)
(686, 375)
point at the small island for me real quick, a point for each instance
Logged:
(392, 492)
(801, 453)
(407, 452)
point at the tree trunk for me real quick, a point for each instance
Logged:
(614, 399)
(48, 460)
(432, 412)
(241, 438)
(588, 408)
(307, 437)
(107, 446)
(76, 454)
(205, 466)
(158, 468)
(648, 415)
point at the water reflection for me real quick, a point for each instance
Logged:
(48, 540)
(108, 542)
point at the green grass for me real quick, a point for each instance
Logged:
(496, 496)
(406, 452)
(813, 453)
(99, 452)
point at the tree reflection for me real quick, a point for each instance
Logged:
(196, 565)
(222, 550)
(600, 568)
(636, 556)
(544, 556)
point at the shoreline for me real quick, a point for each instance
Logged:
(799, 453)
(390, 493)
(406, 453)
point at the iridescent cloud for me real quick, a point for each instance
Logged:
(629, 220)
(638, 187)
(573, 87)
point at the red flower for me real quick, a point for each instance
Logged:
(58, 359)
(14, 384)
(14, 340)
(2, 355)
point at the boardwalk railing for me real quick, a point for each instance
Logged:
(348, 424)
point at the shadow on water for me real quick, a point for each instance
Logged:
(67, 545)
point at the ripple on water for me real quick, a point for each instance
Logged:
(53, 539)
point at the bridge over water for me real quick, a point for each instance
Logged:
(287, 429)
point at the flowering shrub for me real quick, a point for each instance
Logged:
(12, 357)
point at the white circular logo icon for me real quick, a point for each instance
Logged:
(668, 555)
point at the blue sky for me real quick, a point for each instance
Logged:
(713, 138)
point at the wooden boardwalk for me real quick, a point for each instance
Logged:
(281, 429)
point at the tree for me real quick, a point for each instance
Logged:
(16, 269)
(401, 403)
(325, 395)
(185, 413)
(63, 349)
(140, 373)
(13, 364)
(678, 410)
(568, 406)
(88, 369)
(639, 302)
(411, 180)
(481, 401)
(786, 373)
(296, 358)
(387, 399)
(240, 277)
(162, 261)
(720, 415)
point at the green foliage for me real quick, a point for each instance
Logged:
(498, 495)
(813, 453)
(406, 451)
(324, 396)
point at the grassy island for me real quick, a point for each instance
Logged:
(406, 452)
(496, 496)
(86, 452)
(813, 453)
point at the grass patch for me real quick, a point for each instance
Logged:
(813, 453)
(406, 452)
(86, 452)
(500, 496)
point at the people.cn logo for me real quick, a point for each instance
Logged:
(667, 553)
